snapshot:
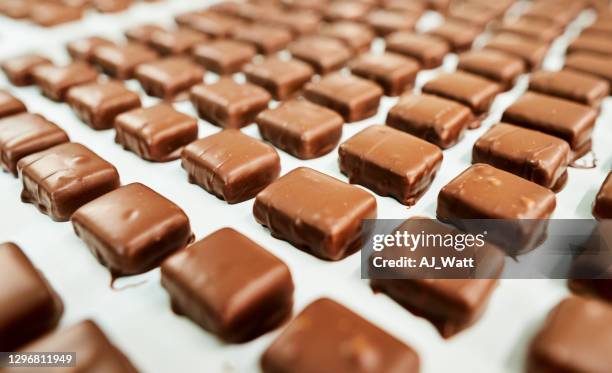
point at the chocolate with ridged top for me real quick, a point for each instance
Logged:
(9, 105)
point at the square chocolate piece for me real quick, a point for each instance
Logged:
(282, 78)
(267, 39)
(63, 178)
(393, 72)
(346, 10)
(580, 325)
(120, 61)
(55, 81)
(565, 119)
(327, 334)
(83, 49)
(24, 134)
(231, 165)
(229, 104)
(9, 105)
(111, 6)
(298, 22)
(98, 104)
(459, 35)
(32, 307)
(358, 37)
(499, 67)
(532, 51)
(571, 85)
(18, 70)
(429, 50)
(406, 163)
(49, 14)
(602, 208)
(157, 133)
(530, 154)
(591, 64)
(323, 53)
(471, 90)
(432, 118)
(530, 28)
(213, 24)
(224, 56)
(142, 33)
(352, 97)
(593, 44)
(301, 128)
(179, 41)
(169, 78)
(230, 286)
(132, 229)
(559, 12)
(315, 213)
(472, 13)
(387, 21)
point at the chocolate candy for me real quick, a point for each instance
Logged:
(157, 133)
(63, 178)
(300, 128)
(94, 351)
(120, 61)
(571, 85)
(83, 49)
(132, 229)
(387, 21)
(24, 134)
(210, 23)
(591, 64)
(390, 163)
(229, 104)
(142, 33)
(352, 97)
(435, 119)
(179, 41)
(267, 39)
(500, 67)
(229, 285)
(329, 336)
(55, 81)
(531, 28)
(282, 78)
(429, 50)
(298, 22)
(459, 35)
(49, 14)
(355, 35)
(602, 208)
(324, 54)
(111, 6)
(530, 50)
(393, 72)
(602, 27)
(224, 56)
(17, 9)
(561, 13)
(231, 165)
(31, 306)
(594, 44)
(169, 78)
(9, 105)
(345, 10)
(19, 69)
(98, 104)
(574, 338)
(530, 154)
(471, 90)
(558, 117)
(473, 13)
(326, 221)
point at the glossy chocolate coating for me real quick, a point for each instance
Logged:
(571, 85)
(98, 104)
(120, 61)
(387, 21)
(473, 13)
(350, 96)
(157, 133)
(390, 162)
(132, 229)
(49, 14)
(142, 33)
(224, 56)
(393, 72)
(323, 53)
(497, 66)
(538, 29)
(432, 118)
(169, 77)
(83, 49)
(231, 165)
(55, 81)
(599, 66)
(282, 78)
(575, 337)
(30, 306)
(19, 69)
(9, 105)
(356, 36)
(429, 50)
(210, 23)
(459, 35)
(229, 285)
(595, 44)
(111, 6)
(328, 336)
(229, 104)
(301, 128)
(179, 41)
(325, 221)
(602, 208)
(345, 10)
(267, 39)
(24, 134)
(559, 12)
(532, 51)
(298, 22)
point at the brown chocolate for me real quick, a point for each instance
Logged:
(393, 72)
(602, 207)
(212, 24)
(157, 133)
(132, 229)
(559, 12)
(352, 97)
(24, 134)
(111, 6)
(49, 14)
(571, 85)
(120, 61)
(229, 285)
(497, 66)
(327, 334)
(169, 78)
(10, 105)
(601, 27)
(414, 6)
(231, 165)
(599, 66)
(55, 81)
(267, 39)
(301, 128)
(17, 9)
(179, 41)
(387, 21)
(83, 49)
(326, 221)
(19, 69)
(390, 162)
(229, 104)
(317, 6)
(429, 50)
(530, 50)
(142, 33)
(282, 78)
(98, 104)
(298, 22)
(435, 119)
(459, 35)
(357, 36)
(346, 10)
(473, 13)
(224, 56)
(31, 306)
(531, 28)
(324, 54)
(594, 44)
